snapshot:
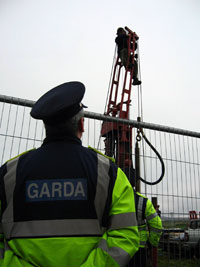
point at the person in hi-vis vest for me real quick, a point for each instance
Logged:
(63, 204)
(150, 229)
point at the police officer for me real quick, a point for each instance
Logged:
(150, 229)
(63, 204)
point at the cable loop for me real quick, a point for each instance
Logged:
(158, 155)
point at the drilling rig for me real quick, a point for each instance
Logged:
(118, 136)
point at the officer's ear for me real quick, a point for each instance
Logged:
(81, 125)
(80, 128)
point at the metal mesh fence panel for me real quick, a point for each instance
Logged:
(178, 192)
(19, 132)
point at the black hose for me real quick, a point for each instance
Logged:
(161, 161)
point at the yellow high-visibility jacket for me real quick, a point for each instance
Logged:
(66, 205)
(149, 223)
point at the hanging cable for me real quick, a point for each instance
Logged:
(138, 138)
(114, 59)
(140, 105)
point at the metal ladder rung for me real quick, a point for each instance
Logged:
(127, 91)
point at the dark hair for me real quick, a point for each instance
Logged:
(70, 126)
(120, 31)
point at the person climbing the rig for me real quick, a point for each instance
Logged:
(122, 45)
(122, 49)
(63, 204)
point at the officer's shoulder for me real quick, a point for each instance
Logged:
(23, 153)
(100, 153)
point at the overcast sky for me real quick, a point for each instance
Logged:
(48, 42)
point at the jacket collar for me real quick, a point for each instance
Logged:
(62, 138)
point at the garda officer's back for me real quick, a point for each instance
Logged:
(63, 204)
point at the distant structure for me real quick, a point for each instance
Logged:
(193, 214)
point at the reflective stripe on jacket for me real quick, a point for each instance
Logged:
(64, 205)
(149, 223)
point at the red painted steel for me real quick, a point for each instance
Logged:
(118, 137)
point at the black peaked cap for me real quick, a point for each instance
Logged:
(59, 103)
